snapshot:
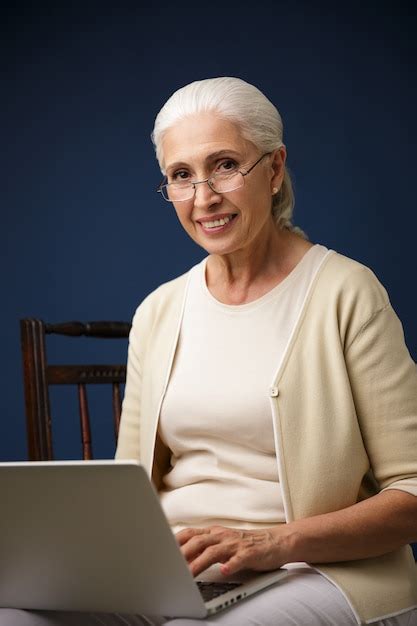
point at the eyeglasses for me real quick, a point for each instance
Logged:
(222, 182)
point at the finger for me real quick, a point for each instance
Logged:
(188, 533)
(247, 557)
(199, 549)
(197, 544)
(232, 565)
(216, 553)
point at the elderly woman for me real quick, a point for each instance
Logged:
(269, 393)
(269, 389)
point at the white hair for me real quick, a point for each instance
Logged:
(243, 104)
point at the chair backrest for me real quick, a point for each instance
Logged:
(38, 375)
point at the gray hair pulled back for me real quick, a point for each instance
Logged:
(241, 103)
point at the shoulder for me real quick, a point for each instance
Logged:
(165, 292)
(346, 295)
(165, 302)
(158, 311)
(343, 278)
(163, 297)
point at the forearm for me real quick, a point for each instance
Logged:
(370, 528)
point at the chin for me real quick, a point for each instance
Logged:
(218, 248)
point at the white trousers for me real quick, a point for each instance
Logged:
(305, 598)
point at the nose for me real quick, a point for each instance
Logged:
(204, 196)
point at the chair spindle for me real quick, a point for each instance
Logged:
(117, 408)
(85, 423)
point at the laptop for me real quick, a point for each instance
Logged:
(92, 536)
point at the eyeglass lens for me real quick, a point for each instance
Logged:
(219, 183)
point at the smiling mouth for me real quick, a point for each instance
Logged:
(209, 225)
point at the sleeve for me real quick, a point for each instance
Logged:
(129, 432)
(383, 378)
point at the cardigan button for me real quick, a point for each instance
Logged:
(273, 392)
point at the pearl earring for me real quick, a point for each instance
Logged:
(274, 190)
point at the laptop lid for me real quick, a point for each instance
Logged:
(89, 536)
(92, 536)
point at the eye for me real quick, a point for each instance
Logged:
(179, 176)
(228, 165)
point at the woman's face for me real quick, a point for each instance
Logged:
(205, 144)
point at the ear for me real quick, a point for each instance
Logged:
(279, 157)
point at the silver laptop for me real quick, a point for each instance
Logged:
(92, 536)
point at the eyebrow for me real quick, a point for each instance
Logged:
(209, 158)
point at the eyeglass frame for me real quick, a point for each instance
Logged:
(208, 181)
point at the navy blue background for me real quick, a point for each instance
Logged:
(85, 236)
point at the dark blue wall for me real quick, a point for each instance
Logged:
(84, 235)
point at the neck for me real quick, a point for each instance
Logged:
(247, 274)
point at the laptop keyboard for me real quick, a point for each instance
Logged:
(211, 590)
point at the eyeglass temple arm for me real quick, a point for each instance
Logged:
(244, 173)
(163, 181)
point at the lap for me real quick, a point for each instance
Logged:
(304, 598)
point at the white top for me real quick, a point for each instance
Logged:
(224, 468)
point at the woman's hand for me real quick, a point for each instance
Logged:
(369, 528)
(260, 550)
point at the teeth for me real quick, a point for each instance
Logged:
(214, 223)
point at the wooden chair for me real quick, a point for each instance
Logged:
(38, 375)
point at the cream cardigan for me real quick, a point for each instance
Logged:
(343, 406)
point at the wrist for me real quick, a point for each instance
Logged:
(290, 540)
